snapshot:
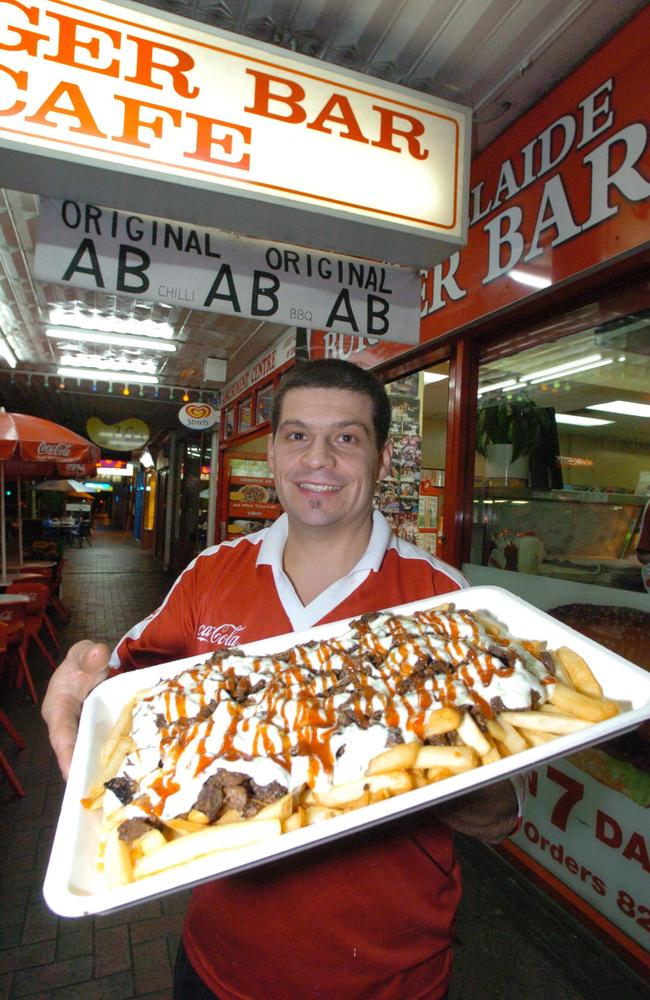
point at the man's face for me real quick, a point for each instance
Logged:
(324, 457)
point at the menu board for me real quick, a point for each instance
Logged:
(252, 500)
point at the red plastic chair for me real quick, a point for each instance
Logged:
(14, 619)
(44, 576)
(35, 615)
(6, 722)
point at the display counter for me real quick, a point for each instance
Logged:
(584, 536)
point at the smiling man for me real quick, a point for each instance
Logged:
(370, 916)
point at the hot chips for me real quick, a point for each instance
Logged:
(240, 749)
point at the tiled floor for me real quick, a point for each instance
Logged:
(512, 942)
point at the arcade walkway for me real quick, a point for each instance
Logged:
(513, 943)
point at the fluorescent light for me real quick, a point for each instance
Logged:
(559, 369)
(113, 339)
(132, 378)
(7, 353)
(569, 418)
(624, 407)
(146, 366)
(534, 280)
(572, 371)
(508, 384)
(429, 377)
(111, 324)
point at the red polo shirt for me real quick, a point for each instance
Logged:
(370, 916)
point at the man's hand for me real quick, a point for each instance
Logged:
(488, 813)
(84, 667)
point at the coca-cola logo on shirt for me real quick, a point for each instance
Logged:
(220, 635)
(54, 450)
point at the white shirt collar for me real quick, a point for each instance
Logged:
(271, 554)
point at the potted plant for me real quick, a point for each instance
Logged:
(508, 430)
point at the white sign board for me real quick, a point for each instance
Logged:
(593, 839)
(198, 416)
(236, 133)
(87, 246)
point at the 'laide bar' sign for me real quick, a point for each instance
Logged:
(236, 134)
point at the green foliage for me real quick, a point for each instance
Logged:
(518, 422)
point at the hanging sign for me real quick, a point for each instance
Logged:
(198, 416)
(165, 111)
(127, 435)
(86, 246)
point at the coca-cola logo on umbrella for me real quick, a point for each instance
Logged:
(54, 450)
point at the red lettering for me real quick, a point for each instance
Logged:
(133, 122)
(607, 830)
(346, 118)
(584, 873)
(79, 110)
(410, 132)
(290, 98)
(572, 865)
(69, 43)
(205, 140)
(574, 792)
(146, 64)
(636, 850)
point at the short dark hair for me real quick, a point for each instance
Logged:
(332, 373)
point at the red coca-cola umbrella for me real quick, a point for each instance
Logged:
(31, 446)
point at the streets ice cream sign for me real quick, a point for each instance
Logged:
(198, 416)
(85, 246)
(156, 109)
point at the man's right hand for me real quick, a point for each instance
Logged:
(84, 667)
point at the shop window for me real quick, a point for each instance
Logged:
(245, 415)
(568, 506)
(411, 495)
(264, 404)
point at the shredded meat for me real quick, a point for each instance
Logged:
(133, 828)
(124, 788)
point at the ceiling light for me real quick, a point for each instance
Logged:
(118, 365)
(507, 384)
(570, 418)
(568, 373)
(430, 377)
(623, 406)
(110, 324)
(103, 376)
(7, 353)
(559, 369)
(113, 339)
(534, 280)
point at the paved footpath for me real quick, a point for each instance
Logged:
(512, 942)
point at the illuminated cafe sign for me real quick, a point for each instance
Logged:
(85, 246)
(268, 142)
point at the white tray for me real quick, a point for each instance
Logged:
(72, 887)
